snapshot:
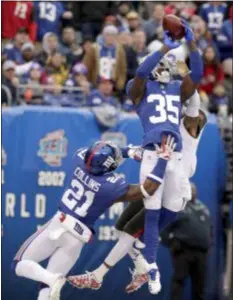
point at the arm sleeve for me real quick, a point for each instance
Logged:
(145, 68)
(196, 66)
(120, 188)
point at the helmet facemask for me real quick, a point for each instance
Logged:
(164, 71)
(118, 155)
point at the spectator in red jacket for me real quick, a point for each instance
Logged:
(213, 72)
(15, 15)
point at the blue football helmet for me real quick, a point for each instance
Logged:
(102, 157)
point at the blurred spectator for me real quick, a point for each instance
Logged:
(89, 15)
(182, 9)
(213, 13)
(28, 52)
(139, 44)
(87, 43)
(122, 10)
(189, 239)
(103, 94)
(49, 46)
(153, 25)
(202, 35)
(213, 72)
(56, 68)
(33, 94)
(28, 55)
(17, 15)
(69, 46)
(227, 67)
(10, 80)
(125, 38)
(225, 37)
(78, 79)
(104, 105)
(12, 51)
(48, 17)
(108, 60)
(219, 100)
(53, 94)
(134, 21)
(6, 96)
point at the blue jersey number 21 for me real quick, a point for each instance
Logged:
(72, 198)
(165, 107)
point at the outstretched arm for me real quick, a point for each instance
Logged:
(194, 119)
(191, 80)
(136, 88)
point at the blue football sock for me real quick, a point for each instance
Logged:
(166, 217)
(151, 234)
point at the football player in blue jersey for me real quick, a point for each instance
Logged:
(93, 187)
(158, 99)
(130, 225)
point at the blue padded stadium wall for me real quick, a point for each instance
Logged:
(36, 146)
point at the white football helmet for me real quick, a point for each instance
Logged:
(164, 71)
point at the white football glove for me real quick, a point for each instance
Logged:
(167, 148)
(135, 152)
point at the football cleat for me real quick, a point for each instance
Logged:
(85, 281)
(154, 280)
(55, 290)
(138, 280)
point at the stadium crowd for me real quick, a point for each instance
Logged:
(82, 53)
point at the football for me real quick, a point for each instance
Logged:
(174, 25)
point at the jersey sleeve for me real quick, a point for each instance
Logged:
(119, 188)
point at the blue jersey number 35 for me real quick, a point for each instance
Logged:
(167, 107)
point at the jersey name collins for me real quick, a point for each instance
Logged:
(86, 180)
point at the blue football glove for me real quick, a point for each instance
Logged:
(189, 35)
(169, 42)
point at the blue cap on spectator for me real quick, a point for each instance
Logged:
(79, 68)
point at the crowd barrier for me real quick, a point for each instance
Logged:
(37, 144)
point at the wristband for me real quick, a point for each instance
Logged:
(144, 192)
(158, 172)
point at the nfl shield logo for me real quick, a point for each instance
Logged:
(53, 147)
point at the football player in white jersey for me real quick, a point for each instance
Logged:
(131, 222)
